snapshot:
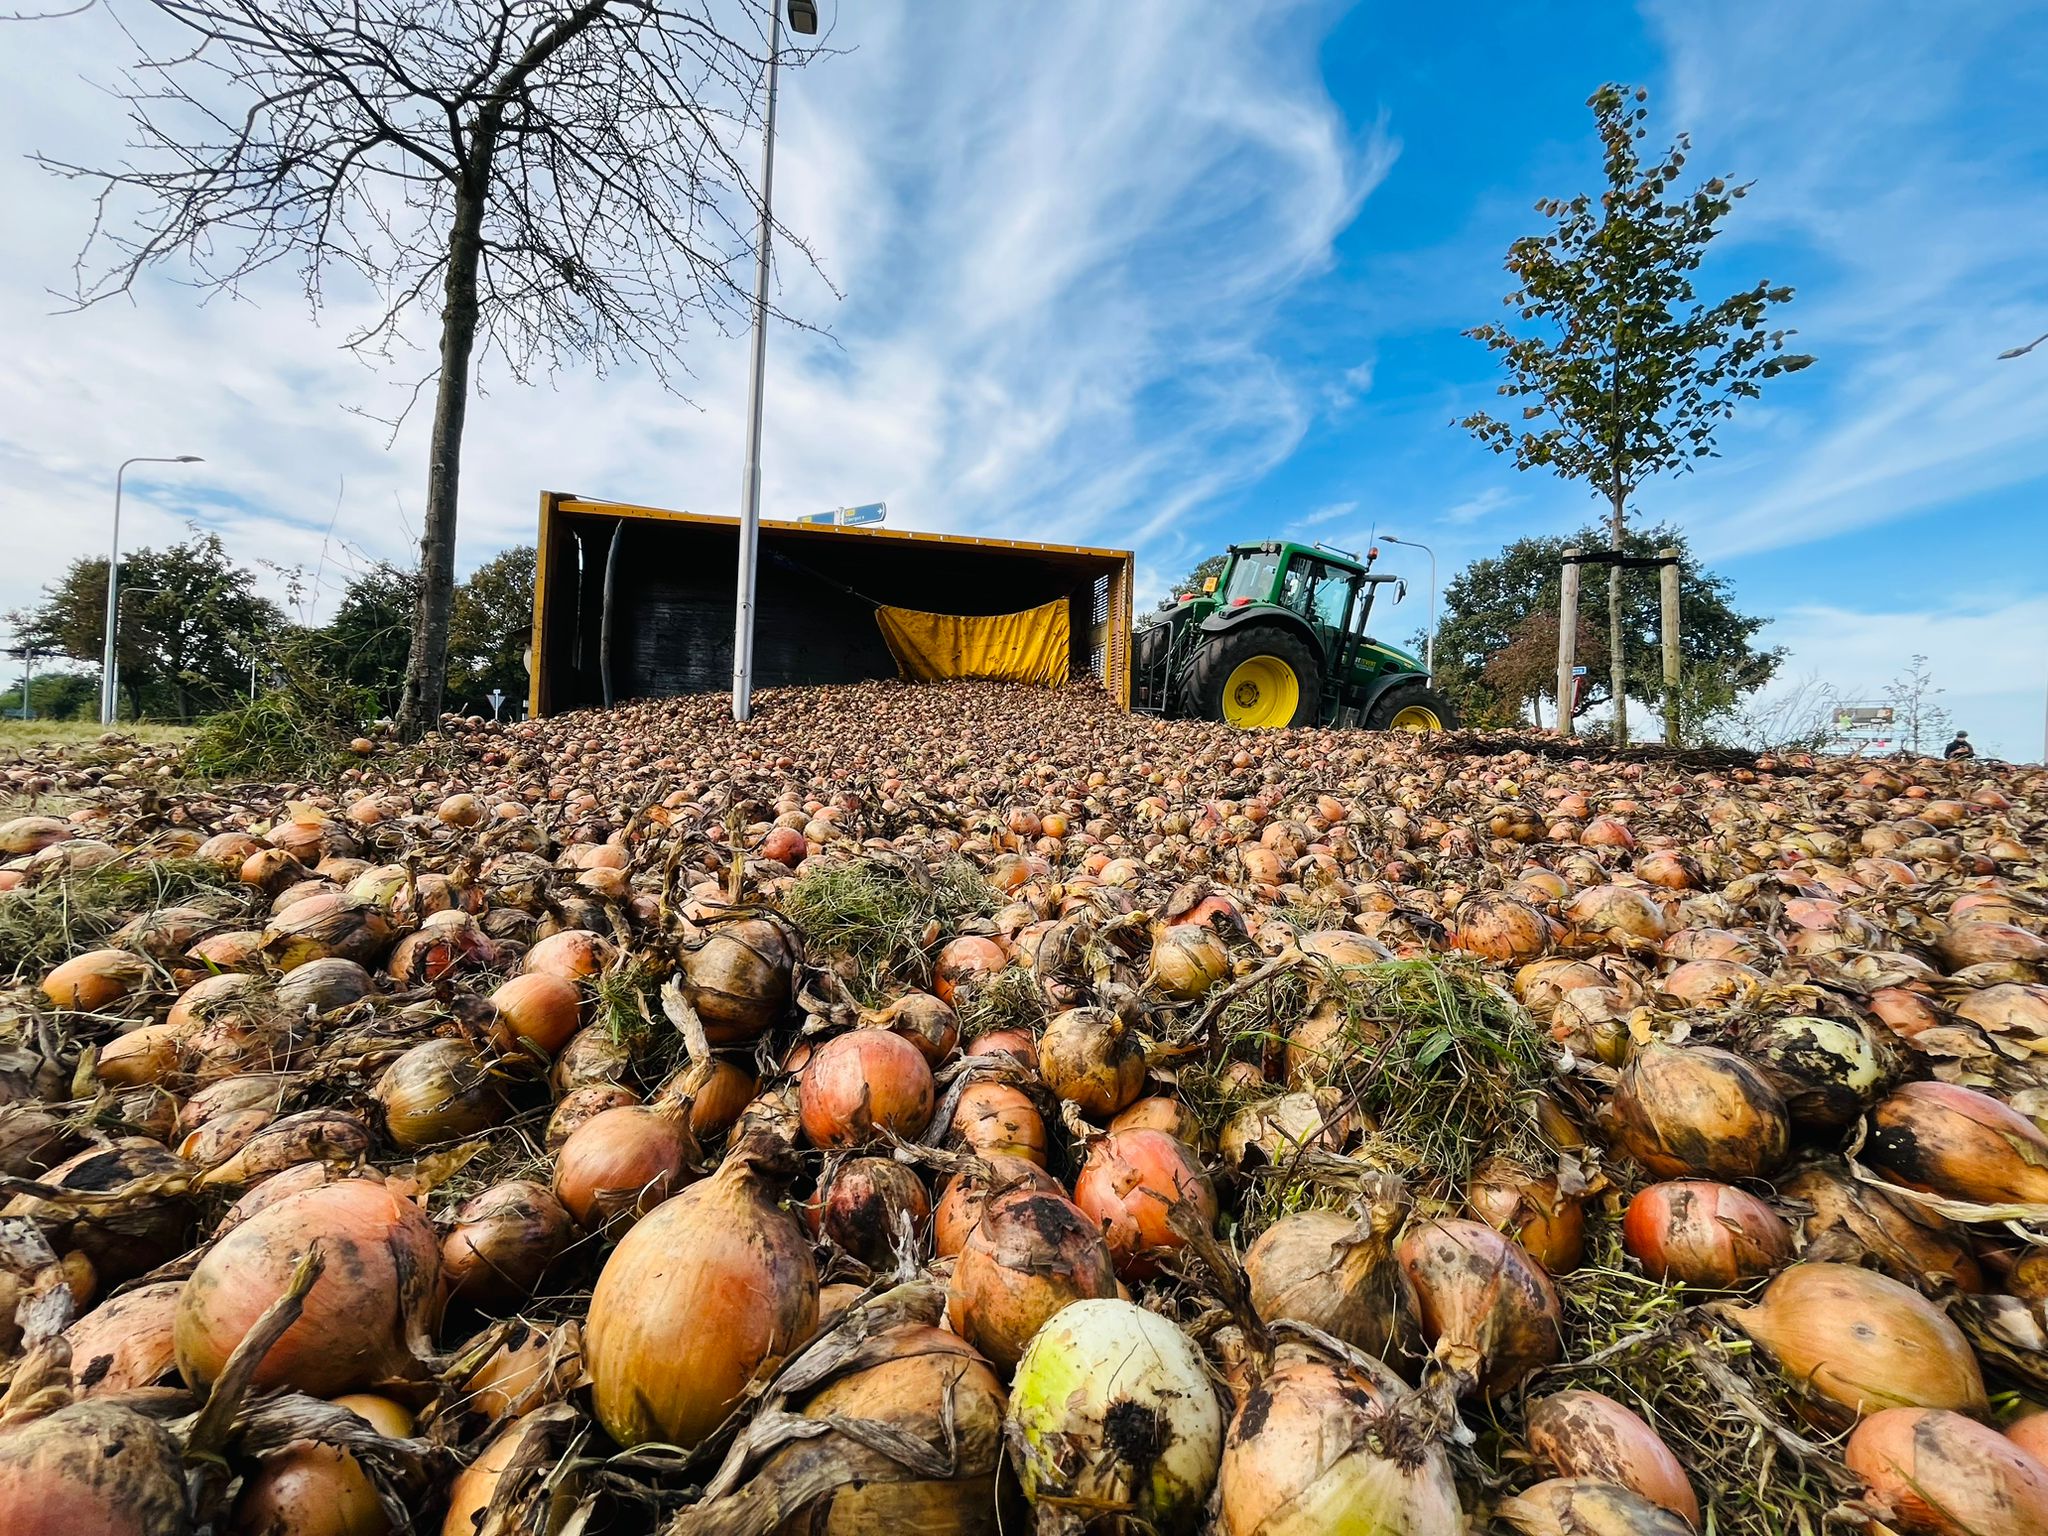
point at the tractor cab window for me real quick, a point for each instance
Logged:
(1251, 579)
(1318, 592)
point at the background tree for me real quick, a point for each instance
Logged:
(53, 696)
(1524, 671)
(191, 621)
(490, 629)
(1192, 582)
(369, 637)
(1629, 376)
(1921, 724)
(1507, 598)
(549, 179)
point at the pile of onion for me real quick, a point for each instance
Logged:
(708, 1291)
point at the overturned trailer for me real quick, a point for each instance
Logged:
(637, 602)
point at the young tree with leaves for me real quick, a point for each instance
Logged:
(1628, 376)
(549, 180)
(491, 628)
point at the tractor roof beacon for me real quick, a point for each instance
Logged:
(1279, 639)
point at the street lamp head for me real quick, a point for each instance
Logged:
(188, 458)
(803, 17)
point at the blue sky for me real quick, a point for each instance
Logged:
(1163, 274)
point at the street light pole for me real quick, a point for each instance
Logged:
(803, 17)
(114, 580)
(1429, 646)
(126, 593)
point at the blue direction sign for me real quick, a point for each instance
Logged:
(849, 517)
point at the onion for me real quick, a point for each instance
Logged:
(538, 1011)
(96, 980)
(1314, 1448)
(1697, 1110)
(873, 1208)
(1827, 1072)
(1186, 961)
(1582, 1434)
(331, 1136)
(1704, 1233)
(91, 1469)
(126, 1342)
(1853, 1222)
(380, 1286)
(33, 1140)
(1713, 984)
(501, 1241)
(1111, 1411)
(574, 954)
(967, 1192)
(323, 986)
(1981, 943)
(620, 1164)
(529, 1367)
(1531, 1208)
(580, 1105)
(1859, 1341)
(1594, 1021)
(150, 1225)
(31, 834)
(740, 979)
(152, 1054)
(327, 926)
(863, 1083)
(1498, 927)
(1937, 1472)
(1031, 1254)
(1621, 914)
(704, 1295)
(1014, 1042)
(1333, 1273)
(593, 1055)
(1129, 1183)
(992, 1119)
(926, 1021)
(964, 964)
(2030, 1434)
(1273, 1131)
(1160, 1113)
(310, 1489)
(1092, 1059)
(522, 1446)
(713, 1092)
(1584, 1506)
(1960, 1144)
(1485, 1306)
(1541, 983)
(440, 1090)
(2007, 1008)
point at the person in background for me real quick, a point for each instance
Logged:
(1960, 747)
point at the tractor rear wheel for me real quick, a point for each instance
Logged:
(1259, 677)
(1412, 707)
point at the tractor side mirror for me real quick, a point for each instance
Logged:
(1401, 591)
(1208, 585)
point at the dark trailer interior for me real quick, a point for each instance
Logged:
(637, 602)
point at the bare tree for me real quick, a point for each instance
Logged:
(552, 180)
(1920, 721)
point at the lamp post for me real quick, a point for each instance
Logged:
(114, 656)
(803, 18)
(1429, 652)
(114, 580)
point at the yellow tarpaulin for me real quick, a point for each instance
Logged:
(1027, 647)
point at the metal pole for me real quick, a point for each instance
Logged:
(750, 483)
(1429, 641)
(107, 670)
(28, 661)
(1667, 578)
(1567, 639)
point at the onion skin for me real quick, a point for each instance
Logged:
(2030, 1434)
(501, 1241)
(1584, 1506)
(1485, 1306)
(966, 1193)
(126, 1342)
(1584, 1434)
(91, 1469)
(1129, 1184)
(868, 1205)
(862, 1083)
(1860, 1342)
(309, 1489)
(438, 1091)
(1301, 1459)
(739, 979)
(1939, 1473)
(1532, 1209)
(1960, 1144)
(712, 1289)
(1849, 1221)
(1704, 1234)
(537, 1012)
(1695, 1110)
(382, 1275)
(1031, 1254)
(992, 1119)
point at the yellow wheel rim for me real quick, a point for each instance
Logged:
(1261, 693)
(1416, 717)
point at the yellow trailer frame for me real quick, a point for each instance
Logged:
(1096, 582)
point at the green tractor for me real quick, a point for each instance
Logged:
(1279, 639)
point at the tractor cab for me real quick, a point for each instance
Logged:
(1279, 638)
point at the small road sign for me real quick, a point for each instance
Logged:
(850, 517)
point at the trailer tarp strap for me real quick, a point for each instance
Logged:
(1027, 647)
